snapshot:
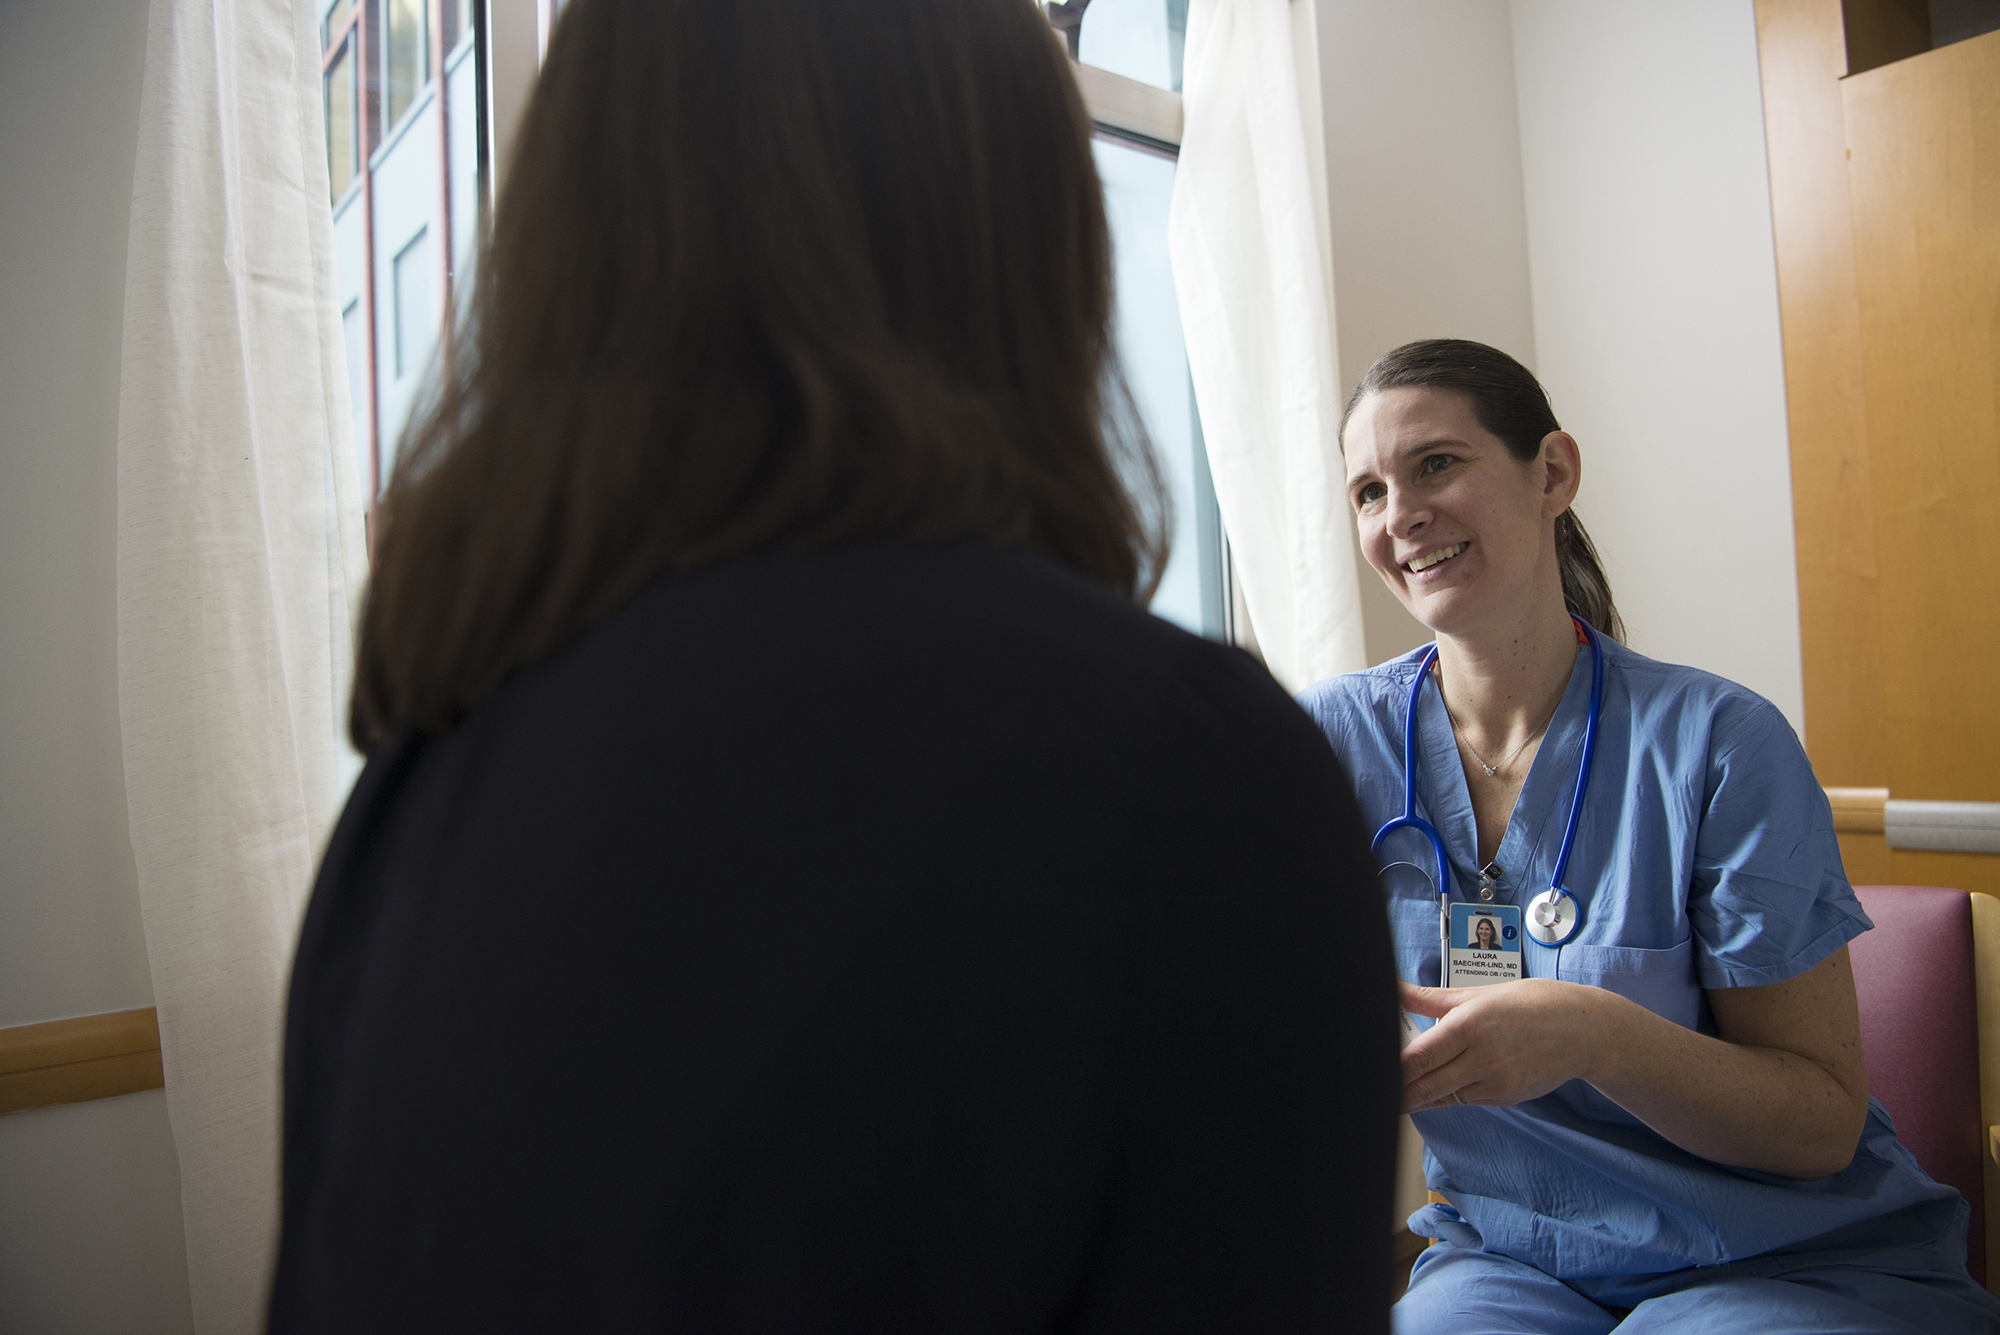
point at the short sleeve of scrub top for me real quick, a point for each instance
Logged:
(1768, 897)
(1704, 858)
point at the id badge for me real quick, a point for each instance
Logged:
(1485, 944)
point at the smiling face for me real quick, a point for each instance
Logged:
(1485, 933)
(1461, 531)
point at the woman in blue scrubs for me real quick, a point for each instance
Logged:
(1665, 1125)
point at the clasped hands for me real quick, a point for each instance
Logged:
(1501, 1044)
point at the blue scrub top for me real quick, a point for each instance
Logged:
(1705, 858)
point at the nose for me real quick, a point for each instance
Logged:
(1403, 514)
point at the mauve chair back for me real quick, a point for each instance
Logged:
(1920, 1034)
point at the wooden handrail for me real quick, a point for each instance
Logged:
(74, 1061)
(1915, 825)
(1859, 810)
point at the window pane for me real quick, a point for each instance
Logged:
(1140, 39)
(343, 127)
(405, 59)
(414, 276)
(354, 333)
(456, 16)
(1138, 186)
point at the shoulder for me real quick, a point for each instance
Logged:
(1672, 699)
(982, 613)
(1350, 691)
(940, 651)
(1767, 895)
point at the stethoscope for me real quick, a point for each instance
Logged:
(1553, 916)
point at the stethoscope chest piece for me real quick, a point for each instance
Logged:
(1552, 916)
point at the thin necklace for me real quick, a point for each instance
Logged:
(1492, 770)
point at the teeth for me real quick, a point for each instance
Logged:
(1424, 563)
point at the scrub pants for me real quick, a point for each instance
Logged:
(1460, 1291)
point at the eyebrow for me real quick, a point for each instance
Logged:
(1410, 451)
(1434, 443)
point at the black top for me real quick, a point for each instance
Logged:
(886, 940)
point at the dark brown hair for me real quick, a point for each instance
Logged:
(766, 274)
(1511, 404)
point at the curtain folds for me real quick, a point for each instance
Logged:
(1254, 276)
(240, 559)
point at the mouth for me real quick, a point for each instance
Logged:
(1429, 560)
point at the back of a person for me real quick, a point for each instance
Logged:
(794, 884)
(854, 941)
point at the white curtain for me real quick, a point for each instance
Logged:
(1254, 276)
(240, 557)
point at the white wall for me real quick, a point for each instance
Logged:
(1656, 319)
(70, 940)
(90, 1234)
(90, 1221)
(1429, 228)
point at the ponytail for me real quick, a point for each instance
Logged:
(1586, 592)
(1509, 402)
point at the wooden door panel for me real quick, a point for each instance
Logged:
(1885, 193)
(1924, 188)
(1802, 53)
(1924, 182)
(1868, 860)
(1960, 871)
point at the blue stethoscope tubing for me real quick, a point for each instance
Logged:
(1410, 820)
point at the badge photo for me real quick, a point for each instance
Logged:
(1485, 944)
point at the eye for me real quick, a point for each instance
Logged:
(1437, 463)
(1368, 493)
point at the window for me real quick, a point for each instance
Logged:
(409, 173)
(403, 43)
(413, 283)
(1140, 39)
(1141, 43)
(1138, 186)
(405, 161)
(343, 113)
(356, 342)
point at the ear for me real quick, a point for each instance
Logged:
(1562, 470)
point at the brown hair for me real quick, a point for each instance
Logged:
(766, 274)
(1510, 403)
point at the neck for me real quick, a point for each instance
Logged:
(1502, 683)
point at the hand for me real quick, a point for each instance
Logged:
(1503, 1044)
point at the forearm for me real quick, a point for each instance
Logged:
(1750, 1107)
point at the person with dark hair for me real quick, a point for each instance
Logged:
(1665, 1124)
(1484, 935)
(794, 885)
